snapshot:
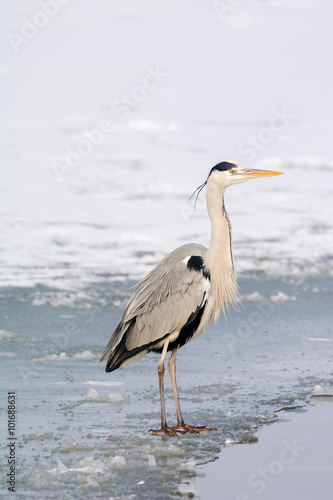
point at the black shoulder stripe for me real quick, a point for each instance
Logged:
(188, 330)
(196, 263)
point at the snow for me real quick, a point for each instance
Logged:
(125, 205)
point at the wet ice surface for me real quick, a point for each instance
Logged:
(81, 428)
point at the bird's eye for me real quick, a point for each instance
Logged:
(232, 170)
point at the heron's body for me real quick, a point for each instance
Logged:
(178, 299)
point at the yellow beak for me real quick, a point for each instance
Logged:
(252, 173)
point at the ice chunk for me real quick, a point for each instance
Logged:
(253, 297)
(68, 446)
(189, 465)
(92, 395)
(91, 465)
(115, 398)
(112, 397)
(6, 335)
(84, 355)
(39, 435)
(100, 382)
(61, 467)
(282, 297)
(318, 390)
(229, 442)
(175, 450)
(151, 461)
(118, 462)
(54, 357)
(92, 482)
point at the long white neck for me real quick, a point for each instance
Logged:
(219, 257)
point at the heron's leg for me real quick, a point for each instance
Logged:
(181, 427)
(160, 372)
(172, 372)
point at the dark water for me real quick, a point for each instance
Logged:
(266, 356)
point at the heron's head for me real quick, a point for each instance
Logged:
(227, 173)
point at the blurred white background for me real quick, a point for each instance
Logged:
(224, 77)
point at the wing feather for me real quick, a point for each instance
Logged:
(168, 312)
(162, 302)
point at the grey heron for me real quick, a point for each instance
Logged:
(178, 299)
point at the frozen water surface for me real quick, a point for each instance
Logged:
(70, 251)
(84, 430)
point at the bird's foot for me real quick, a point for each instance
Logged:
(184, 429)
(180, 429)
(167, 431)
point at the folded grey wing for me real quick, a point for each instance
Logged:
(168, 307)
(163, 302)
